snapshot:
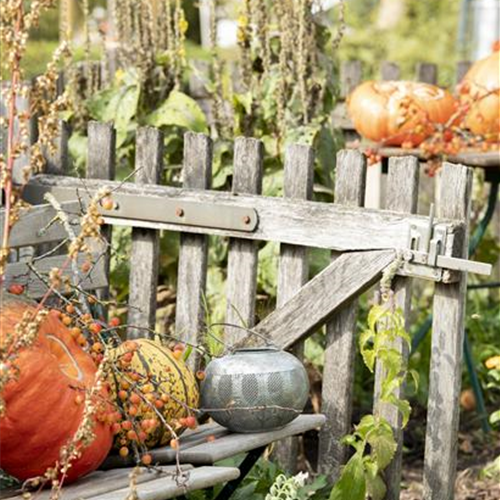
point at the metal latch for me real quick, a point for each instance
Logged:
(424, 256)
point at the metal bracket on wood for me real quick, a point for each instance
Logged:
(424, 256)
(198, 214)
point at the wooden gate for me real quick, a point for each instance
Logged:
(363, 243)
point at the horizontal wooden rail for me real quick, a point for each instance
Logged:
(295, 222)
(36, 283)
(39, 226)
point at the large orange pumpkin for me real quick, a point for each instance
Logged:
(480, 90)
(395, 112)
(43, 411)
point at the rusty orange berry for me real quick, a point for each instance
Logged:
(126, 425)
(123, 451)
(75, 332)
(114, 322)
(135, 398)
(16, 289)
(95, 328)
(147, 459)
(107, 203)
(66, 320)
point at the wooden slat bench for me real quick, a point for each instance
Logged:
(158, 483)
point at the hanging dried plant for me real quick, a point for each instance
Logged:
(17, 18)
(285, 67)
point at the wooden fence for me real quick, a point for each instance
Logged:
(363, 243)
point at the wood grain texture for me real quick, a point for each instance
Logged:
(320, 298)
(445, 375)
(390, 71)
(145, 251)
(340, 349)
(101, 162)
(58, 163)
(351, 75)
(232, 444)
(462, 68)
(295, 222)
(20, 273)
(104, 483)
(163, 488)
(427, 73)
(166, 454)
(293, 267)
(243, 254)
(102, 151)
(192, 270)
(402, 196)
(35, 225)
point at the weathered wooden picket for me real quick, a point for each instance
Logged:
(363, 243)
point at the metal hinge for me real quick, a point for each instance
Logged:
(424, 256)
(190, 213)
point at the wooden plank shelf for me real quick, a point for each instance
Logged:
(158, 483)
(196, 449)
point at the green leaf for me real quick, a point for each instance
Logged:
(352, 482)
(375, 315)
(78, 150)
(365, 426)
(376, 487)
(383, 444)
(368, 354)
(402, 405)
(179, 110)
(244, 101)
(495, 417)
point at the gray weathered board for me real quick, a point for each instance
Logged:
(340, 345)
(196, 449)
(159, 483)
(20, 273)
(296, 222)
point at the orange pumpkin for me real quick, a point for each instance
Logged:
(480, 93)
(397, 112)
(44, 403)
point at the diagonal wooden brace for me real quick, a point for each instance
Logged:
(348, 276)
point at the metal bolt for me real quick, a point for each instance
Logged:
(179, 212)
(246, 219)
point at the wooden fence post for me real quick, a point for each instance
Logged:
(427, 73)
(243, 254)
(58, 163)
(338, 371)
(293, 271)
(351, 75)
(101, 165)
(402, 196)
(445, 376)
(462, 68)
(390, 71)
(144, 259)
(192, 271)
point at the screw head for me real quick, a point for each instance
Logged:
(179, 212)
(246, 219)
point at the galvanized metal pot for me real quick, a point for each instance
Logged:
(255, 389)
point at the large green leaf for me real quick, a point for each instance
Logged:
(117, 105)
(352, 482)
(179, 110)
(383, 444)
